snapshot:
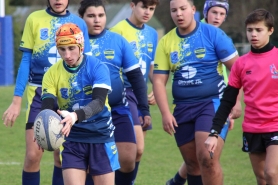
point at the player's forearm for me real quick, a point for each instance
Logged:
(151, 73)
(139, 87)
(240, 94)
(95, 106)
(23, 74)
(160, 95)
(227, 103)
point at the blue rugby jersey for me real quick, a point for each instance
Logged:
(143, 42)
(112, 49)
(194, 61)
(73, 89)
(39, 39)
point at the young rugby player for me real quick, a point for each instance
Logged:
(197, 87)
(80, 83)
(215, 13)
(39, 53)
(112, 49)
(257, 73)
(143, 40)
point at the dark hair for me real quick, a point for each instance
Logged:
(146, 2)
(259, 15)
(190, 1)
(84, 4)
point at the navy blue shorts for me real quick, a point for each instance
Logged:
(99, 158)
(193, 117)
(132, 103)
(258, 142)
(34, 105)
(124, 130)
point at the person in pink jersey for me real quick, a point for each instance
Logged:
(257, 73)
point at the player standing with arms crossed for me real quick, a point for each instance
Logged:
(197, 87)
(39, 53)
(143, 40)
(215, 12)
(112, 49)
(257, 73)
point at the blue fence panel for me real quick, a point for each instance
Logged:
(6, 51)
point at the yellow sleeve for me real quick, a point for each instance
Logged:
(49, 86)
(161, 61)
(27, 40)
(116, 29)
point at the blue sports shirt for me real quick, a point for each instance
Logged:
(143, 42)
(194, 61)
(112, 49)
(73, 89)
(39, 39)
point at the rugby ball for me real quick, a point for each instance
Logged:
(47, 130)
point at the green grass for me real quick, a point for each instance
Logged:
(160, 161)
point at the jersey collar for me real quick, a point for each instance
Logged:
(57, 15)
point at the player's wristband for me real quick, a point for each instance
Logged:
(213, 135)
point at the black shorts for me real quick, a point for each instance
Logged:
(258, 142)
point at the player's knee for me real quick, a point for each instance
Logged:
(33, 158)
(209, 166)
(127, 162)
(270, 174)
(33, 155)
(140, 151)
(192, 167)
(127, 166)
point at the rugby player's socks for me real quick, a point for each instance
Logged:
(89, 180)
(57, 178)
(123, 178)
(30, 178)
(135, 170)
(194, 180)
(177, 180)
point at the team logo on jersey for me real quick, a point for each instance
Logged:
(95, 50)
(188, 72)
(109, 54)
(64, 92)
(274, 71)
(150, 47)
(44, 33)
(88, 90)
(174, 57)
(133, 46)
(156, 66)
(200, 53)
(75, 88)
(21, 43)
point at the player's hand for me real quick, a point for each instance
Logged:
(12, 112)
(236, 111)
(69, 120)
(146, 122)
(169, 123)
(39, 147)
(211, 143)
(232, 122)
(151, 99)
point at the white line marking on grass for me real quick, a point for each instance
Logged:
(19, 163)
(10, 163)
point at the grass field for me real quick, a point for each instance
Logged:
(160, 161)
